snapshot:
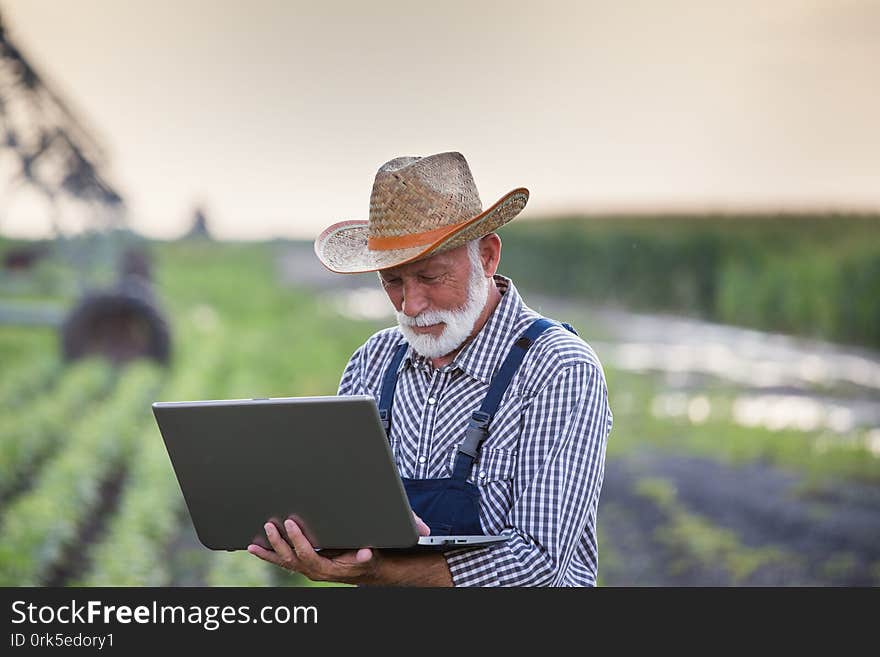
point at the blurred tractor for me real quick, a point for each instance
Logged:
(47, 149)
(122, 322)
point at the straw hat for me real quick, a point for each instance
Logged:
(420, 206)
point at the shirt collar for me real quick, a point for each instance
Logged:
(482, 356)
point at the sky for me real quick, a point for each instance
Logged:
(275, 115)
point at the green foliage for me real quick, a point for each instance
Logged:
(839, 565)
(810, 275)
(22, 346)
(38, 525)
(28, 436)
(239, 569)
(26, 379)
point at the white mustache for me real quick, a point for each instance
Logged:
(428, 318)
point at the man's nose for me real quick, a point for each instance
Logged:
(414, 299)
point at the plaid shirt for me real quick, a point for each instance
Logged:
(540, 470)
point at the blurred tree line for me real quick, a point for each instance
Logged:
(812, 275)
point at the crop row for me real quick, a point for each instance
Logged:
(134, 549)
(25, 379)
(28, 436)
(39, 524)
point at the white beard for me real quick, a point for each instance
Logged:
(458, 323)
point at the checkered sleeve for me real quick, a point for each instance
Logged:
(556, 488)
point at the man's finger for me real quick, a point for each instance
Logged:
(422, 528)
(281, 547)
(313, 564)
(304, 550)
(264, 554)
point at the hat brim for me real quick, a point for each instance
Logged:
(342, 247)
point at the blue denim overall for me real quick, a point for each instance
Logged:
(452, 506)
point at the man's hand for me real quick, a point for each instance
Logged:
(363, 566)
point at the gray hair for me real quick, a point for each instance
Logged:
(473, 250)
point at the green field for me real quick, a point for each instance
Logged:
(90, 497)
(237, 333)
(816, 276)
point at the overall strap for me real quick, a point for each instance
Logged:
(389, 383)
(478, 426)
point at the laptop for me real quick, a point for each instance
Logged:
(324, 461)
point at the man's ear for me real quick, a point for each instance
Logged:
(490, 253)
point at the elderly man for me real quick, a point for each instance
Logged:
(497, 418)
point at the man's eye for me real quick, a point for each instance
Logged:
(429, 279)
(392, 281)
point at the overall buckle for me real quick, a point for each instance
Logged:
(385, 417)
(476, 432)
